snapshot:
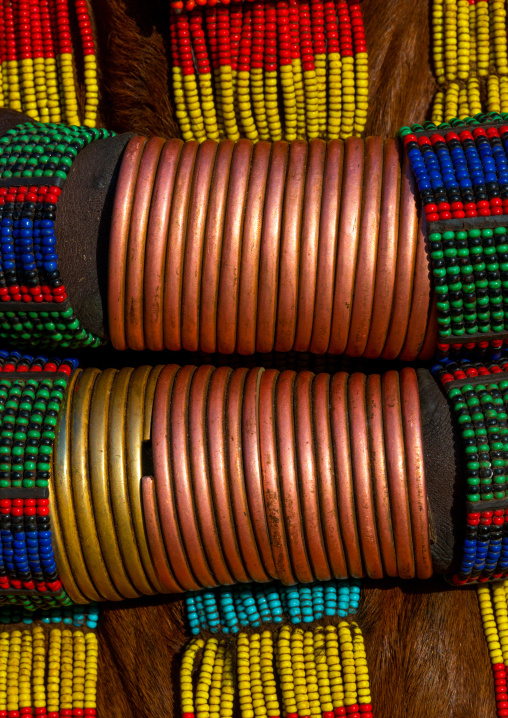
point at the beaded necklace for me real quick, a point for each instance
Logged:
(281, 70)
(37, 73)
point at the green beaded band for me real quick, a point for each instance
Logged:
(35, 159)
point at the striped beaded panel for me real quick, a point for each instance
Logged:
(32, 393)
(34, 162)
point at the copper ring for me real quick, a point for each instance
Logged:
(347, 250)
(155, 540)
(269, 468)
(193, 257)
(118, 440)
(201, 483)
(239, 502)
(217, 450)
(363, 296)
(99, 483)
(362, 476)
(413, 439)
(149, 397)
(406, 257)
(344, 473)
(156, 244)
(397, 476)
(229, 282)
(83, 506)
(420, 305)
(63, 498)
(212, 248)
(288, 470)
(134, 274)
(270, 248)
(251, 244)
(61, 463)
(289, 262)
(431, 336)
(185, 499)
(309, 245)
(252, 468)
(173, 273)
(386, 252)
(379, 474)
(326, 477)
(307, 476)
(119, 237)
(164, 480)
(327, 252)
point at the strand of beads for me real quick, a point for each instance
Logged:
(37, 60)
(493, 610)
(75, 615)
(233, 608)
(470, 57)
(313, 55)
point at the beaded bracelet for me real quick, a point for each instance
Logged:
(229, 610)
(32, 393)
(34, 162)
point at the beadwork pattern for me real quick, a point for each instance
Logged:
(266, 70)
(29, 277)
(470, 57)
(37, 60)
(75, 615)
(229, 610)
(494, 614)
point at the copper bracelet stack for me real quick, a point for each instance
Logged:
(203, 236)
(241, 490)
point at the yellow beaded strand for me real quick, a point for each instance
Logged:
(256, 684)
(39, 668)
(216, 684)
(4, 660)
(463, 110)
(92, 660)
(91, 91)
(452, 100)
(54, 668)
(299, 677)
(493, 96)
(503, 93)
(489, 625)
(28, 88)
(482, 37)
(322, 673)
(13, 671)
(334, 667)
(438, 108)
(438, 40)
(473, 93)
(361, 669)
(498, 23)
(205, 678)
(463, 39)
(52, 89)
(66, 661)
(335, 95)
(311, 675)
(25, 670)
(227, 687)
(186, 669)
(78, 671)
(450, 39)
(243, 676)
(68, 82)
(362, 91)
(267, 676)
(285, 670)
(348, 97)
(347, 660)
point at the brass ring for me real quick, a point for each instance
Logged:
(216, 427)
(118, 440)
(290, 250)
(81, 487)
(347, 250)
(135, 269)
(184, 495)
(307, 476)
(119, 235)
(227, 302)
(138, 413)
(249, 270)
(288, 470)
(269, 468)
(309, 245)
(173, 273)
(200, 475)
(61, 463)
(344, 474)
(212, 248)
(379, 474)
(397, 476)
(363, 296)
(406, 257)
(421, 302)
(237, 483)
(327, 252)
(252, 468)
(386, 252)
(362, 476)
(161, 449)
(326, 477)
(270, 248)
(153, 531)
(99, 482)
(195, 236)
(413, 440)
(156, 244)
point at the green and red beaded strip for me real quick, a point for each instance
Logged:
(35, 159)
